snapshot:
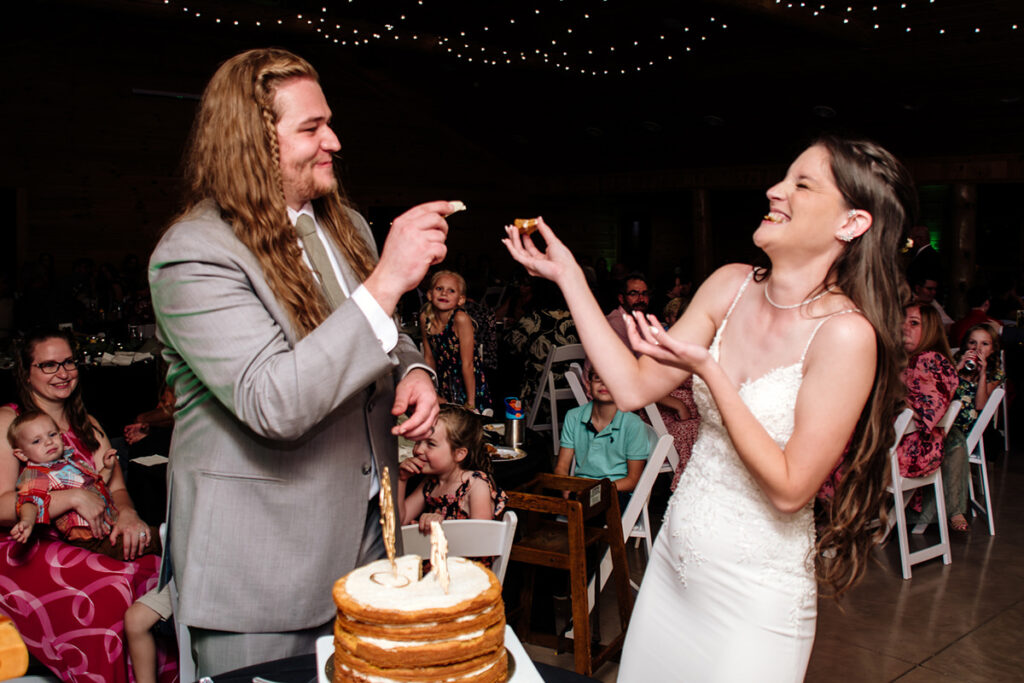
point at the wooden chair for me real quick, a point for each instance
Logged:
(469, 538)
(547, 391)
(592, 518)
(636, 521)
(976, 457)
(901, 485)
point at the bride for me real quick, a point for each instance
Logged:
(794, 366)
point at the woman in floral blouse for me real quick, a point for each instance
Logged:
(931, 380)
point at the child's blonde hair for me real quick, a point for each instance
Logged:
(465, 430)
(23, 419)
(428, 308)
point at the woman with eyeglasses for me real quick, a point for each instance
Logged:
(53, 591)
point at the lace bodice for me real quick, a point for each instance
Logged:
(717, 495)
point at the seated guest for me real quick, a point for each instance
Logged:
(603, 441)
(77, 597)
(634, 295)
(545, 325)
(679, 412)
(978, 298)
(931, 381)
(51, 466)
(155, 424)
(925, 288)
(458, 481)
(979, 375)
(977, 363)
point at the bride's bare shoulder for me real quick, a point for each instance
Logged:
(722, 285)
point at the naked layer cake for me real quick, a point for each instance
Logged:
(404, 628)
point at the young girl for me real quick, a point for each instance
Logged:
(978, 379)
(449, 343)
(458, 481)
(978, 367)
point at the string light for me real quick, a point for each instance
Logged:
(650, 48)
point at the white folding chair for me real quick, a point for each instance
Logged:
(186, 665)
(898, 515)
(1005, 422)
(574, 378)
(952, 410)
(547, 391)
(976, 456)
(493, 297)
(469, 538)
(654, 415)
(636, 520)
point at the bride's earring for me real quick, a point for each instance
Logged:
(847, 235)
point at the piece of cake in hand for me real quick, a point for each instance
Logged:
(409, 629)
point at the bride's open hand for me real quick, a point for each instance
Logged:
(647, 336)
(553, 263)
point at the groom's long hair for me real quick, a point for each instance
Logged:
(233, 158)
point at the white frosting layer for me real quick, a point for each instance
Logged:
(426, 624)
(468, 580)
(387, 644)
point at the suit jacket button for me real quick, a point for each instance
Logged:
(366, 468)
(369, 406)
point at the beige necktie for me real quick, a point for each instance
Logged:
(317, 255)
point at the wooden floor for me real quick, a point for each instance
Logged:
(957, 622)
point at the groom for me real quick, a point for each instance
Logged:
(287, 368)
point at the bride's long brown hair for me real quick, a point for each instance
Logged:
(868, 272)
(233, 158)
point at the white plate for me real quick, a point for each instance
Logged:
(495, 428)
(505, 453)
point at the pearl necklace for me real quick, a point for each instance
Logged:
(768, 298)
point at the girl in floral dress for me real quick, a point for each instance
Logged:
(978, 370)
(458, 482)
(449, 343)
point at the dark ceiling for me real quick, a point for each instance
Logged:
(621, 85)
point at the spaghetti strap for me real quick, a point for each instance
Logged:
(818, 327)
(736, 299)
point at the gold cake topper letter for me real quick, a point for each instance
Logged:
(439, 554)
(387, 517)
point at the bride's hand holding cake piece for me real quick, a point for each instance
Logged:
(554, 263)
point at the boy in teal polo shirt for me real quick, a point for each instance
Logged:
(605, 442)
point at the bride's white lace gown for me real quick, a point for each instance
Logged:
(729, 593)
